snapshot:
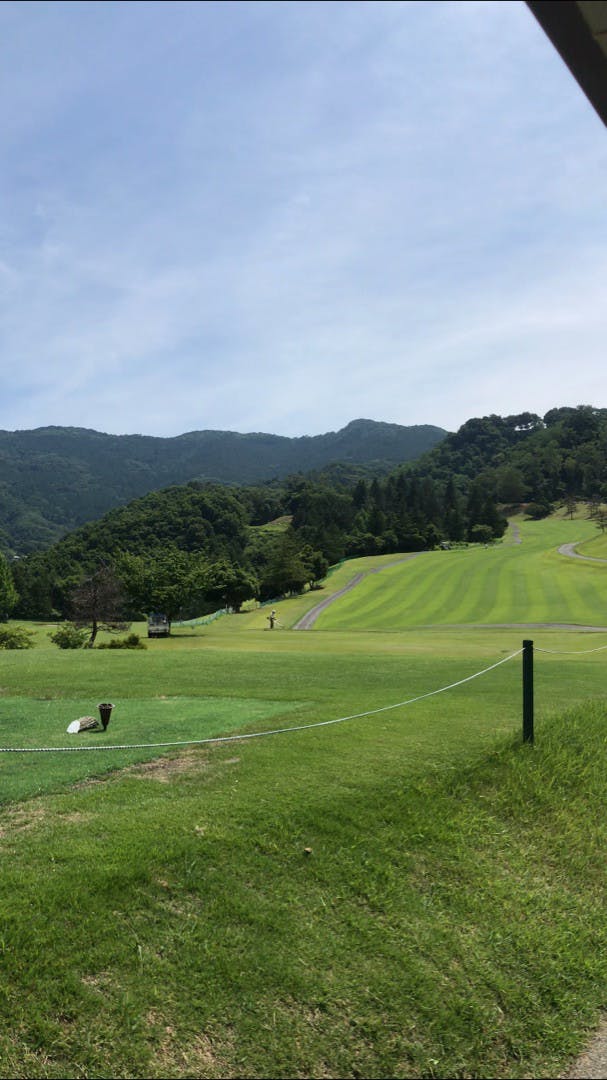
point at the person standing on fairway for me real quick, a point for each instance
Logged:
(272, 618)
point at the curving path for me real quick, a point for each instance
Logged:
(307, 621)
(569, 549)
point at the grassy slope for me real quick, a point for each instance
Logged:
(448, 921)
(506, 583)
(269, 681)
(596, 547)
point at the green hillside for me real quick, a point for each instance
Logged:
(458, 493)
(54, 479)
(528, 458)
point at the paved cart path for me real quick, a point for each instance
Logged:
(592, 1063)
(515, 533)
(307, 621)
(569, 549)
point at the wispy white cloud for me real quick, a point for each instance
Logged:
(269, 216)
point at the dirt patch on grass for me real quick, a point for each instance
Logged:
(20, 818)
(164, 769)
(101, 981)
(23, 818)
(179, 1056)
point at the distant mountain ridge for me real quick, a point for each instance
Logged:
(53, 479)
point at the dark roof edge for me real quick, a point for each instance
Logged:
(564, 23)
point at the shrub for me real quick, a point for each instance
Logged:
(412, 542)
(481, 534)
(537, 510)
(131, 641)
(68, 636)
(16, 637)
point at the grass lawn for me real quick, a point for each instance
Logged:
(411, 893)
(525, 582)
(596, 547)
(30, 722)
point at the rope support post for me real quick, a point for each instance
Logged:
(528, 692)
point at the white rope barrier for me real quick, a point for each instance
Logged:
(570, 652)
(254, 734)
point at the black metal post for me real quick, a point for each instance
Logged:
(528, 691)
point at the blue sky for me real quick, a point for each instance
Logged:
(282, 216)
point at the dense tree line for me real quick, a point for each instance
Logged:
(527, 458)
(193, 548)
(190, 549)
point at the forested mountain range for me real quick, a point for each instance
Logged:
(54, 479)
(207, 542)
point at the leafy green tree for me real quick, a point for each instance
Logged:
(230, 585)
(482, 509)
(538, 510)
(510, 486)
(287, 572)
(453, 514)
(170, 581)
(363, 543)
(432, 536)
(413, 542)
(481, 534)
(315, 564)
(601, 519)
(34, 583)
(8, 593)
(360, 495)
(594, 506)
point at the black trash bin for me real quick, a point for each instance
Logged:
(105, 711)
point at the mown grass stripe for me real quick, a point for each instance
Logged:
(519, 584)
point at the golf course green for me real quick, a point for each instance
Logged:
(392, 885)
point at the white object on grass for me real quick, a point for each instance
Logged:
(85, 723)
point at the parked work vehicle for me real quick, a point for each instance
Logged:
(158, 625)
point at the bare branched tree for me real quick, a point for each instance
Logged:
(99, 602)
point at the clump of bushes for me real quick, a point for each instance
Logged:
(68, 636)
(131, 641)
(16, 637)
(538, 510)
